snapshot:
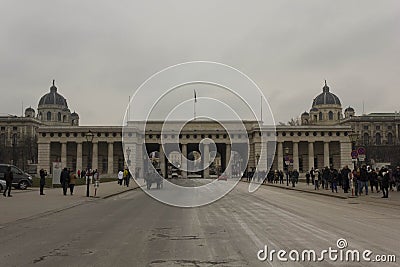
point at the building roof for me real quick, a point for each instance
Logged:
(326, 98)
(349, 109)
(53, 98)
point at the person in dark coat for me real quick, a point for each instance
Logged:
(345, 178)
(64, 180)
(8, 177)
(385, 183)
(43, 175)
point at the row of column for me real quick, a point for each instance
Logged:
(344, 146)
(95, 156)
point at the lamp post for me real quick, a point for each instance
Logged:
(258, 159)
(89, 138)
(14, 144)
(128, 153)
(353, 138)
(286, 152)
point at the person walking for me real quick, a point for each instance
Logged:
(346, 179)
(363, 180)
(312, 174)
(385, 183)
(128, 178)
(8, 177)
(308, 178)
(72, 182)
(120, 177)
(334, 181)
(317, 180)
(43, 175)
(295, 178)
(64, 180)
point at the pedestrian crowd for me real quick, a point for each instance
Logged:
(356, 181)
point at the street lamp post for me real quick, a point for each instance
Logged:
(353, 138)
(258, 159)
(14, 144)
(89, 138)
(128, 153)
(286, 152)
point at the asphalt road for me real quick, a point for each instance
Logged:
(132, 229)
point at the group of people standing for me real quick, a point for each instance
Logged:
(357, 180)
(290, 176)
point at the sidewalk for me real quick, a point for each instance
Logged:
(28, 203)
(394, 196)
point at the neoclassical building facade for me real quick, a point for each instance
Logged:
(295, 147)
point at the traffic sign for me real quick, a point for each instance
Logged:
(354, 154)
(361, 151)
(361, 157)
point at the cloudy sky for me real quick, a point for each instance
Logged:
(100, 52)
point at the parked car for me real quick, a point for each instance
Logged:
(21, 180)
(2, 185)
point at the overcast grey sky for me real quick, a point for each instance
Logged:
(99, 52)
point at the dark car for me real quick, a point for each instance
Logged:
(2, 185)
(21, 179)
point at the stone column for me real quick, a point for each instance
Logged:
(184, 160)
(345, 154)
(296, 156)
(95, 155)
(280, 156)
(139, 161)
(63, 154)
(227, 159)
(162, 161)
(110, 163)
(310, 155)
(326, 154)
(206, 160)
(44, 157)
(79, 156)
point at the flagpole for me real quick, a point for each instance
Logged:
(194, 105)
(261, 108)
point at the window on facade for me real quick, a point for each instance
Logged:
(330, 115)
(365, 127)
(64, 118)
(315, 117)
(3, 128)
(390, 127)
(49, 116)
(378, 127)
(378, 140)
(2, 139)
(15, 128)
(338, 116)
(320, 116)
(366, 139)
(59, 116)
(390, 138)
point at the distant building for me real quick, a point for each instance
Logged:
(18, 134)
(378, 132)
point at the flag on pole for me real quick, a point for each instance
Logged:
(195, 96)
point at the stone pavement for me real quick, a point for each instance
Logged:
(394, 196)
(28, 203)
